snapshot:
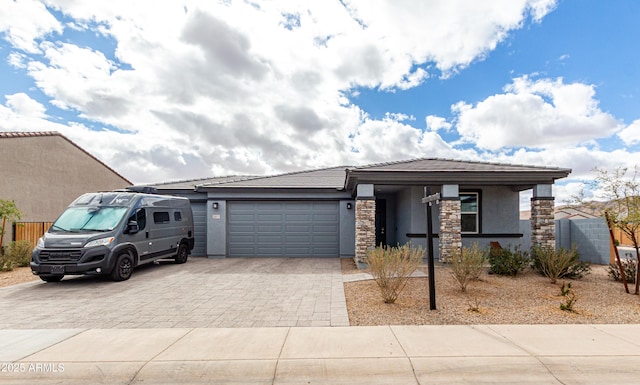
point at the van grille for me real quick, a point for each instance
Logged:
(60, 255)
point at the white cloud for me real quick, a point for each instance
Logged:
(197, 88)
(631, 133)
(541, 113)
(435, 123)
(21, 104)
(23, 22)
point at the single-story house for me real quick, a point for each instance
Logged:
(344, 211)
(43, 172)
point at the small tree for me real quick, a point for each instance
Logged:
(8, 212)
(622, 188)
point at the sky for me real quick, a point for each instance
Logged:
(177, 90)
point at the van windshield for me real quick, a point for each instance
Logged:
(95, 218)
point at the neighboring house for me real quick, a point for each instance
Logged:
(43, 172)
(344, 211)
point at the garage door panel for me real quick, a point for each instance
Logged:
(269, 228)
(240, 238)
(298, 227)
(283, 229)
(321, 228)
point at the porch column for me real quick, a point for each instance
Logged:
(450, 237)
(365, 222)
(543, 225)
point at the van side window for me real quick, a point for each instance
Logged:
(140, 216)
(161, 217)
(177, 216)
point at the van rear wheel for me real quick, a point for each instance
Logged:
(123, 268)
(51, 278)
(183, 254)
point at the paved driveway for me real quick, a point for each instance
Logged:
(234, 292)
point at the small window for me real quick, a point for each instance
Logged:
(140, 217)
(469, 218)
(161, 217)
(177, 216)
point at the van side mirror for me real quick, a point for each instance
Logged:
(132, 227)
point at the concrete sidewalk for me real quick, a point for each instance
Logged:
(488, 354)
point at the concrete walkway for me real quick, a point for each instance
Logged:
(492, 354)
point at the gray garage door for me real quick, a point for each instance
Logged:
(283, 229)
(200, 229)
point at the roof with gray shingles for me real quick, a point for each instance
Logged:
(336, 177)
(451, 165)
(326, 178)
(193, 183)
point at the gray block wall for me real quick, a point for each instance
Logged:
(591, 237)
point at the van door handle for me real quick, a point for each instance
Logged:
(146, 234)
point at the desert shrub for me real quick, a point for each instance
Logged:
(6, 263)
(569, 297)
(468, 265)
(20, 252)
(391, 268)
(558, 263)
(504, 261)
(17, 254)
(629, 268)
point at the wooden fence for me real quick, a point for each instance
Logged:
(30, 231)
(622, 238)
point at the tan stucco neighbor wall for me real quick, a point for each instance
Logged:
(44, 172)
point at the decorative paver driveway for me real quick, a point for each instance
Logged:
(233, 292)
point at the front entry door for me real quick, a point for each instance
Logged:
(381, 222)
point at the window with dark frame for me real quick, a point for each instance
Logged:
(161, 217)
(469, 213)
(177, 216)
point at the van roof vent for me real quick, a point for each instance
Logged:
(142, 189)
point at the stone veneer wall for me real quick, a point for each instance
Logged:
(543, 227)
(450, 237)
(365, 228)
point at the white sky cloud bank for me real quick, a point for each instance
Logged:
(539, 114)
(189, 89)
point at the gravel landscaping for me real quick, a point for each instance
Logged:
(526, 299)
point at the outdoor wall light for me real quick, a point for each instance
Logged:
(215, 205)
(349, 206)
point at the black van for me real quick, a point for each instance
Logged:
(110, 233)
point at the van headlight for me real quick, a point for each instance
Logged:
(40, 244)
(100, 242)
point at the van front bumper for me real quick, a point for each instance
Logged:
(70, 261)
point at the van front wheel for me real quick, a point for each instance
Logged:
(123, 268)
(183, 253)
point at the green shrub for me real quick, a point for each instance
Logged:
(468, 265)
(391, 268)
(504, 261)
(629, 268)
(17, 254)
(558, 263)
(6, 263)
(20, 252)
(570, 297)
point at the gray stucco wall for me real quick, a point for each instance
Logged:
(499, 215)
(217, 229)
(347, 229)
